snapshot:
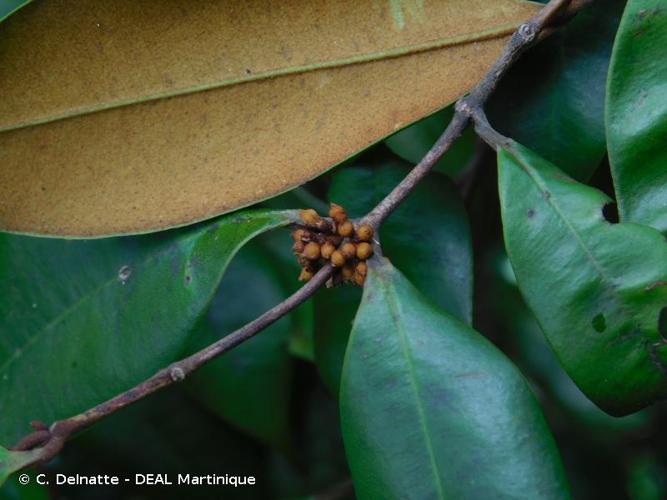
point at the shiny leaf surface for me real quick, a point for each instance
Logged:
(96, 317)
(637, 114)
(11, 461)
(431, 409)
(597, 289)
(253, 380)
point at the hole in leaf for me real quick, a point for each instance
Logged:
(531, 213)
(662, 323)
(610, 212)
(599, 323)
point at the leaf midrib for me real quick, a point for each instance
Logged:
(538, 181)
(496, 32)
(396, 313)
(607, 282)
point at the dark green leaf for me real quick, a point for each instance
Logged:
(11, 461)
(427, 237)
(553, 99)
(637, 114)
(431, 409)
(302, 319)
(14, 490)
(596, 288)
(81, 321)
(8, 7)
(334, 312)
(413, 142)
(252, 382)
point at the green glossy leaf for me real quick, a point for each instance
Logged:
(8, 7)
(302, 319)
(431, 409)
(427, 237)
(522, 335)
(95, 317)
(252, 381)
(11, 461)
(552, 100)
(637, 114)
(14, 490)
(334, 313)
(413, 142)
(597, 289)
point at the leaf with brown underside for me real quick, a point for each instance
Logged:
(132, 116)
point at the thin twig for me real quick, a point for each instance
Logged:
(53, 441)
(525, 36)
(468, 108)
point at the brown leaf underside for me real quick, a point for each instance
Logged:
(283, 103)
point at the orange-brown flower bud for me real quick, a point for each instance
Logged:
(359, 279)
(337, 259)
(337, 213)
(346, 228)
(364, 250)
(327, 249)
(310, 217)
(365, 232)
(305, 275)
(349, 250)
(298, 234)
(312, 251)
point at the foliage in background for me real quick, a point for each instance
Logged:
(414, 368)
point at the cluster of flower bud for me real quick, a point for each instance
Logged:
(338, 241)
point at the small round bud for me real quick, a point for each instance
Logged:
(337, 213)
(347, 272)
(364, 250)
(337, 259)
(349, 250)
(312, 251)
(345, 229)
(362, 268)
(327, 249)
(299, 246)
(310, 217)
(365, 232)
(359, 279)
(298, 234)
(305, 275)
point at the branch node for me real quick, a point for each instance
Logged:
(177, 374)
(527, 32)
(468, 108)
(462, 106)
